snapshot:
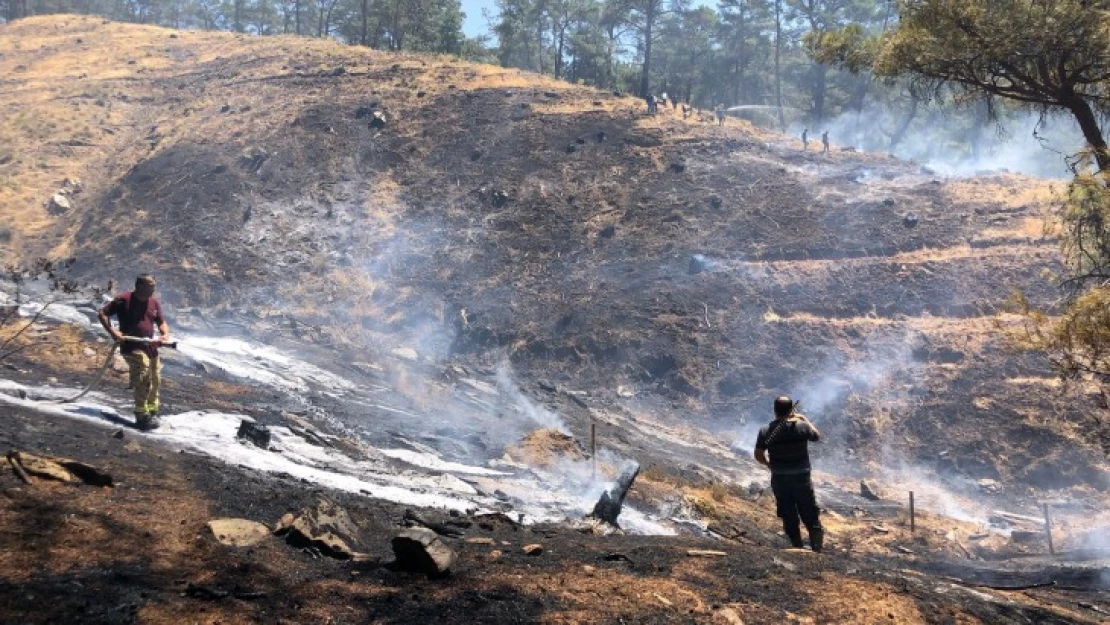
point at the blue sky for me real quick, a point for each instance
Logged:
(475, 24)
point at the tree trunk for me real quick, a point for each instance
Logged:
(649, 23)
(900, 132)
(1088, 124)
(821, 72)
(237, 16)
(778, 74)
(365, 11)
(297, 16)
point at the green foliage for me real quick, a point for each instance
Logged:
(850, 48)
(1042, 53)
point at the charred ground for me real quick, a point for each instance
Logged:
(624, 265)
(498, 213)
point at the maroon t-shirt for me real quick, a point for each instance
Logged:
(136, 319)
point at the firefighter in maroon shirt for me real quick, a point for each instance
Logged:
(139, 312)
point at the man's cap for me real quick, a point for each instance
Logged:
(783, 406)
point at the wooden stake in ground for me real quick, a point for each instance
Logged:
(1048, 528)
(593, 451)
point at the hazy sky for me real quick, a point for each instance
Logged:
(475, 24)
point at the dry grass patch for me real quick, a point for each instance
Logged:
(1010, 190)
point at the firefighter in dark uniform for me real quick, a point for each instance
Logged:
(787, 440)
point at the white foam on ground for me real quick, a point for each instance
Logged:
(214, 434)
(434, 463)
(261, 363)
(57, 311)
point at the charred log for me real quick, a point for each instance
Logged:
(608, 507)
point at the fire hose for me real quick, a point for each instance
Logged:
(108, 361)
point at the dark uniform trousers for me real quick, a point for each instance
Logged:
(794, 498)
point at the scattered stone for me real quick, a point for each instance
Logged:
(238, 532)
(326, 527)
(339, 71)
(377, 120)
(598, 103)
(495, 554)
(678, 167)
(571, 149)
(867, 492)
(225, 108)
(60, 469)
(607, 232)
(58, 204)
(499, 198)
(910, 220)
(727, 616)
(524, 111)
(479, 540)
(698, 263)
(665, 601)
(705, 553)
(882, 529)
(534, 549)
(119, 434)
(600, 136)
(405, 353)
(551, 94)
(420, 550)
(252, 432)
(285, 521)
(715, 201)
(989, 485)
(363, 111)
(420, 94)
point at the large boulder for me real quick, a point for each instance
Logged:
(420, 549)
(326, 527)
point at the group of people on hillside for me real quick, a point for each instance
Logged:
(824, 141)
(654, 102)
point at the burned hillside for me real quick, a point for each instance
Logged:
(371, 202)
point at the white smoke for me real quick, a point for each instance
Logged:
(1021, 143)
(871, 372)
(884, 357)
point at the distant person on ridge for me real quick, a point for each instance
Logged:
(651, 103)
(805, 140)
(720, 110)
(787, 439)
(139, 312)
(825, 141)
(663, 99)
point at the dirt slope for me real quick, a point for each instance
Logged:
(498, 214)
(140, 553)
